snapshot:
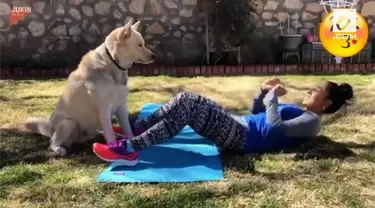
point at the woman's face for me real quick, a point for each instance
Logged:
(316, 98)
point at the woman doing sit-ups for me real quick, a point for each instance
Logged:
(270, 125)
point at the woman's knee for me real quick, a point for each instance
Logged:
(185, 96)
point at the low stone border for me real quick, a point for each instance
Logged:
(191, 71)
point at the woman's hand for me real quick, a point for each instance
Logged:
(270, 83)
(279, 90)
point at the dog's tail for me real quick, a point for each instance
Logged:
(38, 125)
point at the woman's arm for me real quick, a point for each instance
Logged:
(258, 105)
(305, 125)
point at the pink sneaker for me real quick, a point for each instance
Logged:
(116, 152)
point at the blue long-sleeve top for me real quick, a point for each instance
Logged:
(274, 126)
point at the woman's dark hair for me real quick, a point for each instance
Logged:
(338, 94)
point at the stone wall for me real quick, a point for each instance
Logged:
(58, 32)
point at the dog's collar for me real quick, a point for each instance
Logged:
(121, 68)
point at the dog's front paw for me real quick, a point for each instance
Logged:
(60, 151)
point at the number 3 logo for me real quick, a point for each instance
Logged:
(348, 42)
(348, 36)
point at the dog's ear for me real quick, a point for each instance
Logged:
(136, 26)
(130, 22)
(125, 31)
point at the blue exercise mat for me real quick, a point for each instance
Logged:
(186, 158)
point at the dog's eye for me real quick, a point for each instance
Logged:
(140, 45)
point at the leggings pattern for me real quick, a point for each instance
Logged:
(203, 115)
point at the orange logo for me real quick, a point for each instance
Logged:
(344, 35)
(17, 13)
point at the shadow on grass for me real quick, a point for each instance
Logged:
(320, 148)
(323, 147)
(18, 146)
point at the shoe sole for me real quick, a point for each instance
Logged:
(122, 161)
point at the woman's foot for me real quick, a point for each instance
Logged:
(116, 151)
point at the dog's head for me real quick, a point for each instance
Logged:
(129, 45)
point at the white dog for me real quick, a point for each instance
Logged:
(95, 91)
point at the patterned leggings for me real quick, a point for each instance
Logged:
(203, 115)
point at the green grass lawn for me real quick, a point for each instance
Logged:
(337, 171)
